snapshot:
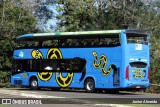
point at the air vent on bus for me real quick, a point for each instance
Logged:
(138, 64)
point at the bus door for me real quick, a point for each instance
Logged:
(116, 77)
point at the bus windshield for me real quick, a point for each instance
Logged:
(139, 39)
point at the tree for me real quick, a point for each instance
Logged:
(75, 15)
(148, 20)
(115, 14)
(45, 12)
(97, 14)
(15, 20)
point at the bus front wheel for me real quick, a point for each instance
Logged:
(33, 84)
(89, 85)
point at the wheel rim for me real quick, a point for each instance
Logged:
(34, 83)
(89, 85)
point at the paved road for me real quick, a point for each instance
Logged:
(69, 97)
(24, 94)
(77, 94)
(6, 95)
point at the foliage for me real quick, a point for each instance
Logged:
(114, 14)
(45, 13)
(4, 79)
(14, 20)
(76, 15)
(96, 14)
(149, 20)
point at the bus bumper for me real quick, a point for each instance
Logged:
(136, 85)
(18, 82)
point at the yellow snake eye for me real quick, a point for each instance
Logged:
(94, 53)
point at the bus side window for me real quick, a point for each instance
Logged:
(40, 43)
(53, 63)
(30, 65)
(84, 42)
(24, 65)
(101, 42)
(95, 42)
(19, 65)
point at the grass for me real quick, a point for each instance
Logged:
(143, 105)
(4, 106)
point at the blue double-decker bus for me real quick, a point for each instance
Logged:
(89, 60)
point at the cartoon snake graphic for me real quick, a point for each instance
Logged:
(103, 62)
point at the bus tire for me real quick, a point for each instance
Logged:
(33, 84)
(89, 85)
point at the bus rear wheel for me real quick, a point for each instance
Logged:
(89, 85)
(33, 84)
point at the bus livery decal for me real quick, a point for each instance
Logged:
(36, 54)
(64, 81)
(55, 53)
(44, 76)
(138, 73)
(103, 59)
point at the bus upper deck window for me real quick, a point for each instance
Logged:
(137, 39)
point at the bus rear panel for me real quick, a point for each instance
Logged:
(137, 69)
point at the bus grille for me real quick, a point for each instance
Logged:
(18, 82)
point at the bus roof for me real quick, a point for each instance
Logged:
(59, 35)
(39, 36)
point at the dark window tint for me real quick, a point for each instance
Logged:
(95, 41)
(138, 64)
(36, 65)
(140, 39)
